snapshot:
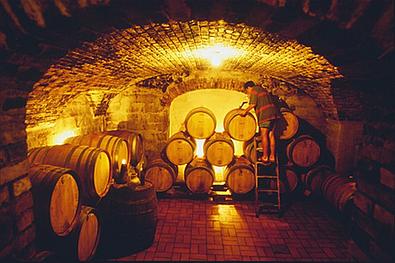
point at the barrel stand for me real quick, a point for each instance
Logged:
(267, 200)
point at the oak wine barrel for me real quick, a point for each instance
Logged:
(238, 127)
(199, 176)
(200, 123)
(161, 174)
(135, 144)
(56, 199)
(315, 176)
(292, 182)
(303, 151)
(240, 176)
(83, 241)
(92, 166)
(219, 149)
(286, 126)
(115, 146)
(86, 236)
(180, 148)
(249, 151)
(338, 190)
(129, 217)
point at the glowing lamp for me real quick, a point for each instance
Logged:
(218, 53)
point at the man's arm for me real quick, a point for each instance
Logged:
(245, 112)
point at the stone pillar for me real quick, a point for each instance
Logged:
(342, 139)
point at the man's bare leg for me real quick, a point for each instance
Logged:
(272, 140)
(265, 144)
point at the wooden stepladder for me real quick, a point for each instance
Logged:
(267, 184)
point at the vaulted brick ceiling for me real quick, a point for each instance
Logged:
(122, 58)
(106, 48)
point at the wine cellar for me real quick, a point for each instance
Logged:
(135, 130)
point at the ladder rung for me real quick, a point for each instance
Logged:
(266, 176)
(268, 190)
(268, 204)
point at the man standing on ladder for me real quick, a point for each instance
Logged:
(267, 113)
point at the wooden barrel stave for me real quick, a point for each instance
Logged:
(240, 176)
(115, 146)
(92, 166)
(129, 220)
(57, 199)
(303, 151)
(287, 126)
(161, 174)
(135, 144)
(180, 148)
(238, 127)
(219, 149)
(292, 181)
(200, 123)
(199, 176)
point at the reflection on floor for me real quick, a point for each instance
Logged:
(204, 230)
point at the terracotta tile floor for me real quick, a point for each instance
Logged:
(203, 230)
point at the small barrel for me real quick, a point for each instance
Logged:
(129, 216)
(115, 146)
(135, 144)
(304, 151)
(286, 126)
(338, 190)
(92, 166)
(199, 176)
(200, 123)
(240, 176)
(238, 127)
(87, 235)
(292, 182)
(82, 242)
(180, 148)
(219, 149)
(56, 199)
(315, 176)
(161, 174)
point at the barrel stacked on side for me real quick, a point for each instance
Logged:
(68, 177)
(218, 150)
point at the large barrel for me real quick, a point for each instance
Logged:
(135, 144)
(129, 220)
(161, 174)
(92, 166)
(56, 199)
(180, 148)
(240, 128)
(115, 146)
(304, 151)
(219, 149)
(200, 123)
(291, 183)
(199, 176)
(240, 176)
(286, 126)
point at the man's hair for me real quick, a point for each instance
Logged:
(248, 84)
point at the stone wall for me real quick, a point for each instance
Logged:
(374, 213)
(16, 202)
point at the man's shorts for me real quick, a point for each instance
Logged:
(267, 124)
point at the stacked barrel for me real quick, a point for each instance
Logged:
(218, 150)
(69, 181)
